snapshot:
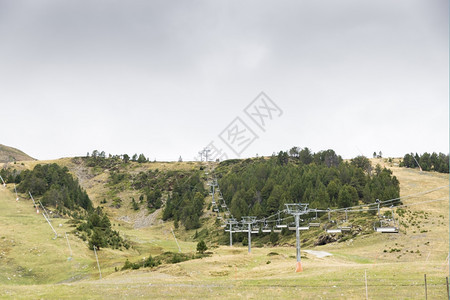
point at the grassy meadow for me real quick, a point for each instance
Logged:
(34, 265)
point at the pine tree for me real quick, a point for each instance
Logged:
(201, 247)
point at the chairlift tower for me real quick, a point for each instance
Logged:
(378, 206)
(213, 183)
(206, 150)
(249, 221)
(297, 209)
(231, 222)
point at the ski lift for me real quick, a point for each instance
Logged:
(279, 224)
(387, 225)
(266, 229)
(238, 229)
(314, 222)
(332, 230)
(292, 226)
(348, 227)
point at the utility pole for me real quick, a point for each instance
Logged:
(249, 221)
(297, 209)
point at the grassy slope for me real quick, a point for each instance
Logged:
(9, 154)
(231, 272)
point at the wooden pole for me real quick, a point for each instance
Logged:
(365, 278)
(426, 294)
(448, 293)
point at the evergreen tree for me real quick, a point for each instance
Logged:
(201, 247)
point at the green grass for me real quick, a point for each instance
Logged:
(229, 273)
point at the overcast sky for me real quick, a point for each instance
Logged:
(166, 78)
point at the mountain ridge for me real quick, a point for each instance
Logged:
(11, 154)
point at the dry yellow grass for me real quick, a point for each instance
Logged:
(232, 273)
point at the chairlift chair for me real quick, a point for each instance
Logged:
(386, 226)
(345, 228)
(266, 229)
(292, 226)
(314, 221)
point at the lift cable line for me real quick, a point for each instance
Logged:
(275, 222)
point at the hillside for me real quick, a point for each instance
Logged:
(10, 154)
(37, 266)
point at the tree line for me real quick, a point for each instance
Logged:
(185, 203)
(99, 158)
(428, 162)
(56, 186)
(261, 186)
